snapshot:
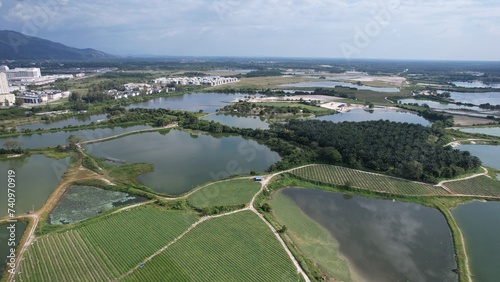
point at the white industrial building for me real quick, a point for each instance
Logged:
(21, 73)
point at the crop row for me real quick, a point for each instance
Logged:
(237, 247)
(225, 193)
(479, 186)
(104, 249)
(363, 180)
(62, 257)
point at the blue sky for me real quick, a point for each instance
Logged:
(393, 29)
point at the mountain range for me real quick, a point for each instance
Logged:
(17, 46)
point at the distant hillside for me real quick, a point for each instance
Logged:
(17, 46)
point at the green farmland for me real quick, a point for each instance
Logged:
(329, 174)
(104, 249)
(236, 247)
(479, 186)
(225, 193)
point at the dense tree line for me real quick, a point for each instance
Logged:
(17, 150)
(488, 106)
(401, 149)
(264, 110)
(425, 112)
(259, 73)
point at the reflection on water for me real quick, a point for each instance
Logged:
(252, 122)
(480, 225)
(488, 154)
(36, 140)
(475, 84)
(4, 242)
(378, 114)
(333, 84)
(476, 98)
(74, 121)
(183, 162)
(206, 102)
(437, 105)
(494, 131)
(36, 178)
(383, 240)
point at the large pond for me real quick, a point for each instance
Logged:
(207, 102)
(4, 241)
(81, 202)
(437, 105)
(377, 114)
(383, 240)
(494, 131)
(333, 84)
(36, 178)
(480, 225)
(253, 122)
(74, 121)
(476, 98)
(59, 138)
(183, 160)
(488, 154)
(475, 84)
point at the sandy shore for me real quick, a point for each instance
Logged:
(342, 107)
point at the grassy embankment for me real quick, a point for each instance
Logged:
(227, 195)
(94, 249)
(442, 203)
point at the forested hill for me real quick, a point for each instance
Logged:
(407, 150)
(17, 46)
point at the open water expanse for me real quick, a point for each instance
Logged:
(194, 102)
(383, 240)
(184, 160)
(480, 225)
(253, 122)
(52, 139)
(36, 178)
(377, 114)
(333, 84)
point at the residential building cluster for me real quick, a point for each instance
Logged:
(136, 89)
(206, 80)
(42, 96)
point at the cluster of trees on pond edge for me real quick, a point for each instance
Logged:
(404, 150)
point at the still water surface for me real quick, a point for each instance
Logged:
(333, 84)
(183, 160)
(480, 225)
(377, 114)
(36, 178)
(252, 122)
(489, 154)
(37, 140)
(383, 240)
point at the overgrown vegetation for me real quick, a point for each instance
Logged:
(407, 150)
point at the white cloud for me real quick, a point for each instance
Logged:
(269, 24)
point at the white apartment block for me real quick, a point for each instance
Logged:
(7, 100)
(4, 84)
(206, 80)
